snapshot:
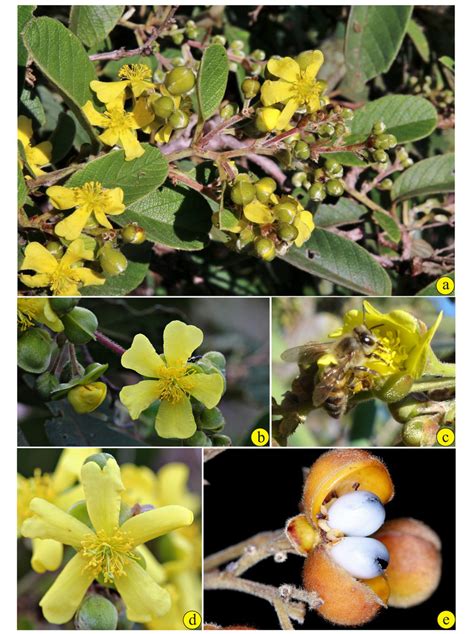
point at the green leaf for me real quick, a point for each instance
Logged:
(60, 56)
(349, 159)
(174, 216)
(419, 40)
(389, 225)
(431, 290)
(345, 211)
(373, 37)
(431, 176)
(341, 261)
(92, 23)
(31, 106)
(22, 188)
(447, 61)
(408, 118)
(63, 136)
(137, 178)
(25, 13)
(123, 284)
(212, 79)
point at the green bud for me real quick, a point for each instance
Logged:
(335, 187)
(237, 45)
(45, 384)
(228, 111)
(340, 129)
(212, 420)
(80, 325)
(192, 33)
(301, 150)
(198, 439)
(112, 261)
(317, 192)
(163, 107)
(177, 38)
(62, 305)
(402, 154)
(99, 458)
(298, 179)
(385, 141)
(265, 249)
(219, 440)
(333, 168)
(133, 234)
(285, 212)
(55, 248)
(87, 398)
(219, 39)
(180, 80)
(413, 433)
(243, 193)
(80, 512)
(217, 359)
(379, 127)
(395, 388)
(380, 156)
(264, 188)
(178, 120)
(96, 613)
(34, 350)
(326, 130)
(347, 114)
(407, 163)
(287, 232)
(250, 88)
(386, 184)
(258, 54)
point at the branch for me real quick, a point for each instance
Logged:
(108, 343)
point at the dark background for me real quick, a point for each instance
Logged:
(253, 490)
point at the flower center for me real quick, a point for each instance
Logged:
(390, 355)
(119, 119)
(135, 72)
(108, 554)
(306, 89)
(26, 314)
(39, 486)
(91, 194)
(175, 383)
(62, 278)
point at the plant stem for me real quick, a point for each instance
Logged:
(108, 343)
(433, 384)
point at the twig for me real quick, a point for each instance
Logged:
(108, 343)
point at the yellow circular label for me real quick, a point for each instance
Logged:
(192, 620)
(445, 436)
(259, 437)
(446, 619)
(445, 286)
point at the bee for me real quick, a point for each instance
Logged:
(336, 383)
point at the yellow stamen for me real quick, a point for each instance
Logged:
(39, 486)
(175, 383)
(108, 554)
(135, 72)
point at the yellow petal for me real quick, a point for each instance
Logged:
(171, 486)
(142, 357)
(305, 224)
(109, 137)
(41, 153)
(114, 205)
(94, 117)
(142, 114)
(163, 135)
(25, 130)
(47, 555)
(103, 490)
(140, 86)
(50, 318)
(258, 212)
(153, 566)
(276, 92)
(287, 113)
(285, 68)
(207, 388)
(130, 144)
(76, 252)
(69, 465)
(139, 397)
(267, 119)
(108, 91)
(63, 598)
(175, 420)
(39, 259)
(62, 197)
(310, 63)
(180, 341)
(35, 281)
(89, 277)
(144, 599)
(102, 219)
(71, 227)
(152, 524)
(50, 522)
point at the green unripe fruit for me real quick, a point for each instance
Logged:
(386, 184)
(87, 398)
(265, 249)
(80, 325)
(96, 613)
(402, 154)
(192, 33)
(163, 107)
(407, 163)
(326, 130)
(285, 212)
(333, 168)
(395, 388)
(228, 111)
(55, 248)
(62, 305)
(34, 351)
(258, 54)
(79, 511)
(45, 384)
(112, 261)
(298, 179)
(216, 358)
(178, 120)
(180, 80)
(379, 127)
(335, 187)
(340, 129)
(198, 439)
(243, 192)
(302, 150)
(133, 234)
(317, 192)
(250, 88)
(347, 114)
(385, 141)
(177, 38)
(264, 188)
(219, 39)
(100, 458)
(237, 45)
(413, 433)
(219, 440)
(380, 156)
(287, 232)
(212, 420)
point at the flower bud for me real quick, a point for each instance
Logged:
(62, 305)
(219, 39)
(326, 130)
(267, 119)
(180, 80)
(258, 54)
(242, 193)
(228, 111)
(198, 439)
(80, 325)
(395, 388)
(96, 613)
(34, 350)
(86, 398)
(100, 458)
(212, 420)
(287, 232)
(265, 249)
(379, 127)
(55, 248)
(219, 440)
(317, 192)
(420, 431)
(333, 168)
(380, 156)
(112, 261)
(250, 88)
(414, 570)
(163, 107)
(216, 358)
(133, 234)
(301, 150)
(286, 211)
(178, 120)
(335, 187)
(264, 188)
(347, 114)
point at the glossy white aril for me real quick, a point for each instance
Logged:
(359, 513)
(361, 557)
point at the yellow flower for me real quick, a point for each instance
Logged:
(37, 309)
(36, 156)
(259, 213)
(267, 119)
(107, 551)
(134, 76)
(89, 199)
(296, 87)
(63, 277)
(120, 126)
(173, 380)
(59, 488)
(403, 340)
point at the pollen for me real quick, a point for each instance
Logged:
(39, 486)
(390, 350)
(62, 278)
(25, 315)
(108, 555)
(135, 72)
(175, 383)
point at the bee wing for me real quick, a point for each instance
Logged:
(323, 388)
(306, 354)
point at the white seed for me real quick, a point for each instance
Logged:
(362, 557)
(359, 514)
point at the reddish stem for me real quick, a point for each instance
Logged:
(108, 343)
